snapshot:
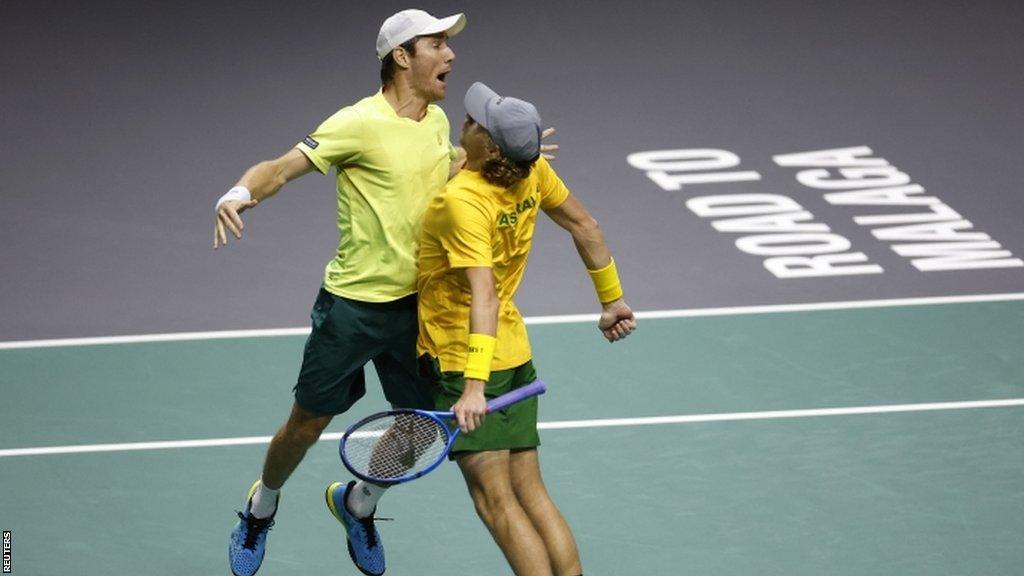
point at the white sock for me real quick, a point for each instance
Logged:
(362, 500)
(264, 502)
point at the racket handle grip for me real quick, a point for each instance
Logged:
(535, 388)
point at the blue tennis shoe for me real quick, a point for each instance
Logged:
(364, 546)
(248, 540)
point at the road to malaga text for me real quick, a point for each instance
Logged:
(922, 228)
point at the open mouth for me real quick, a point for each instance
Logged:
(443, 77)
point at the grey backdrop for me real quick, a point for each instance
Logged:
(122, 122)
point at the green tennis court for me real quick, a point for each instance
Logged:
(745, 481)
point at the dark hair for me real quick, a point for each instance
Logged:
(504, 172)
(387, 65)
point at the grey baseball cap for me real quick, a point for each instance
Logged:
(514, 124)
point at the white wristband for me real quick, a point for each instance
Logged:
(240, 193)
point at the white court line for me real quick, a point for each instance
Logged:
(568, 424)
(562, 319)
(173, 337)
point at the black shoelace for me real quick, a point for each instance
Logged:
(367, 523)
(371, 534)
(253, 528)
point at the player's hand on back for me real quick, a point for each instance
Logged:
(617, 320)
(548, 150)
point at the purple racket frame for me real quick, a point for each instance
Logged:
(535, 388)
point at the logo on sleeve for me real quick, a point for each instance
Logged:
(308, 141)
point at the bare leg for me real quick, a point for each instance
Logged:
(533, 496)
(290, 444)
(487, 477)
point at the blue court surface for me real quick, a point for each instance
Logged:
(864, 440)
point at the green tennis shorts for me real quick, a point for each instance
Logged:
(346, 335)
(514, 428)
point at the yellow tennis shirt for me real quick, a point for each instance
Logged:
(475, 223)
(388, 169)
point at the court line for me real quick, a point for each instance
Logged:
(563, 425)
(560, 319)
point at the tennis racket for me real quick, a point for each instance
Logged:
(401, 445)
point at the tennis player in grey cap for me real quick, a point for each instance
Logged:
(477, 236)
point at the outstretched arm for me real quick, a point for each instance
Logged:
(257, 184)
(617, 319)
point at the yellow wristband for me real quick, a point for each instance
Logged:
(606, 282)
(481, 352)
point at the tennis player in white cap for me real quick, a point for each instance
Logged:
(388, 154)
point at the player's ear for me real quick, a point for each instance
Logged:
(493, 152)
(402, 57)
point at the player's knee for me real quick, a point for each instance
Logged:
(535, 498)
(304, 433)
(493, 505)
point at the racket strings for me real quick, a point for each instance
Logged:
(396, 446)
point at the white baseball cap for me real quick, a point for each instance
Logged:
(411, 23)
